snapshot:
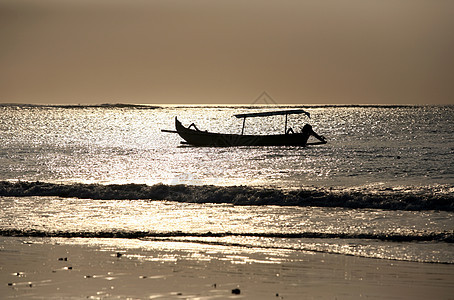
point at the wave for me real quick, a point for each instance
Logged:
(389, 199)
(447, 237)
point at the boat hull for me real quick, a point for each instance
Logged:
(205, 138)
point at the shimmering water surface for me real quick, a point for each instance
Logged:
(396, 146)
(370, 149)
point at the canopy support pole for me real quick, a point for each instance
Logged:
(244, 121)
(285, 131)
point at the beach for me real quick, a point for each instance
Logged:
(54, 268)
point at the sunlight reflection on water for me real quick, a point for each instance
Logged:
(254, 224)
(371, 149)
(76, 215)
(103, 145)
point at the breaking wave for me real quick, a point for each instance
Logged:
(447, 237)
(389, 199)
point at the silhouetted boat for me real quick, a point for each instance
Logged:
(197, 137)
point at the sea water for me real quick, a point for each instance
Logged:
(382, 187)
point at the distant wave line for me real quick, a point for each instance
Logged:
(82, 106)
(237, 106)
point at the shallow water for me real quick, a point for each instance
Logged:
(424, 236)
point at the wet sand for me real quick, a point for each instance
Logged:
(121, 268)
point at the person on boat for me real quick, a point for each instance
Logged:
(290, 130)
(193, 125)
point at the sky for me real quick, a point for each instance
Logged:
(227, 51)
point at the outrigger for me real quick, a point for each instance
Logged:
(197, 137)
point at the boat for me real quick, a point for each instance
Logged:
(193, 136)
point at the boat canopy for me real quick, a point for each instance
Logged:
(273, 113)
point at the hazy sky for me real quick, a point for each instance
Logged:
(227, 51)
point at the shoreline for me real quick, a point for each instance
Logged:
(94, 268)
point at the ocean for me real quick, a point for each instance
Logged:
(382, 187)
